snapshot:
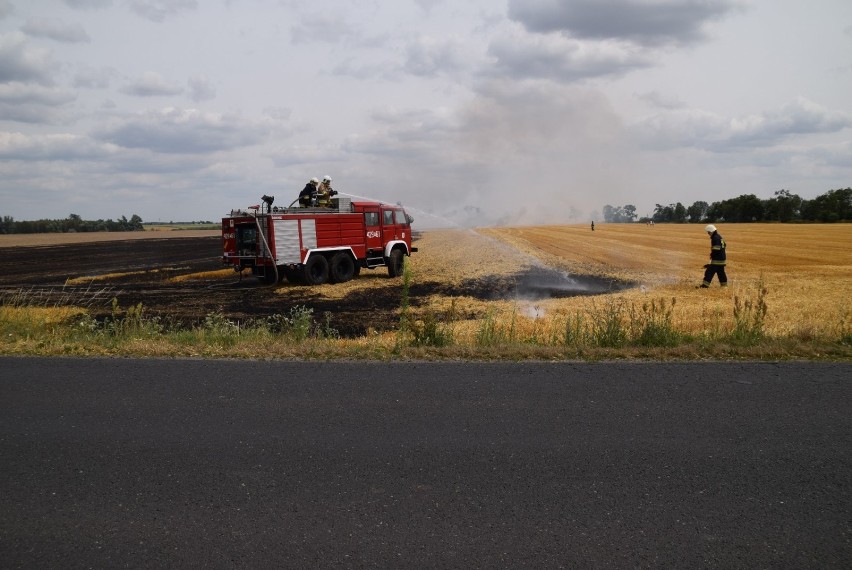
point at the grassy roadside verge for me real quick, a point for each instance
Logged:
(607, 329)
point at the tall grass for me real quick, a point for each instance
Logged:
(430, 330)
(750, 317)
(609, 326)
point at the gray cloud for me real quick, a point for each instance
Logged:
(427, 5)
(55, 29)
(21, 62)
(558, 58)
(334, 28)
(151, 84)
(429, 57)
(6, 8)
(357, 69)
(16, 93)
(94, 78)
(838, 156)
(325, 28)
(707, 131)
(646, 23)
(88, 4)
(182, 131)
(159, 10)
(660, 100)
(33, 113)
(201, 88)
(17, 146)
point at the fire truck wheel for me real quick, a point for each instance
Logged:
(395, 263)
(316, 270)
(342, 268)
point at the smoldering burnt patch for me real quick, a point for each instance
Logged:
(534, 284)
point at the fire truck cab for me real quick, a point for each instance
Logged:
(317, 245)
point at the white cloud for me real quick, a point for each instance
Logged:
(56, 29)
(94, 77)
(59, 146)
(709, 131)
(429, 57)
(182, 131)
(151, 84)
(201, 88)
(160, 10)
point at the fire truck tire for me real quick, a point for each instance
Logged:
(395, 263)
(316, 270)
(342, 268)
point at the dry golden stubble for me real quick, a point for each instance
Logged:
(806, 269)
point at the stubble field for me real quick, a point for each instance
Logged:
(525, 283)
(805, 269)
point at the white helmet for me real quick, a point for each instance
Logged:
(314, 180)
(326, 178)
(710, 228)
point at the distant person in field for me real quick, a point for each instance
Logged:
(325, 192)
(718, 258)
(593, 225)
(306, 196)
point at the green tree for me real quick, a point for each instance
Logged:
(833, 206)
(697, 212)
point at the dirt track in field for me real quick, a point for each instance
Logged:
(141, 271)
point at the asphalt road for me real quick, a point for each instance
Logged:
(219, 464)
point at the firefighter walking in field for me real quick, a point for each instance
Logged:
(718, 258)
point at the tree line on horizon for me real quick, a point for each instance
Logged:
(784, 206)
(72, 224)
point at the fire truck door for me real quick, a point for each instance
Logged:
(389, 230)
(374, 230)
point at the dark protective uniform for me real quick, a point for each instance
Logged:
(306, 196)
(718, 258)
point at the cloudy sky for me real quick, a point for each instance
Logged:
(487, 111)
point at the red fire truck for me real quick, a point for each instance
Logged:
(315, 245)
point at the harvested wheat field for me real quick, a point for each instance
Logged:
(486, 288)
(806, 270)
(36, 240)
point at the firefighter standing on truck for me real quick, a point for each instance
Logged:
(325, 192)
(306, 196)
(718, 258)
